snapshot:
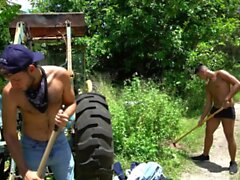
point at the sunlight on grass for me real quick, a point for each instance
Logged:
(237, 97)
(192, 142)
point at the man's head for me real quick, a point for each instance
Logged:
(201, 70)
(16, 58)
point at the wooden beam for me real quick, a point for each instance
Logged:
(41, 25)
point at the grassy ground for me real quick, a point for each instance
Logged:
(193, 142)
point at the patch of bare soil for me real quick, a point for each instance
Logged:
(217, 167)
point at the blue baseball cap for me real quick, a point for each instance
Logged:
(17, 57)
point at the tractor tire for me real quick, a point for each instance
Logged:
(93, 139)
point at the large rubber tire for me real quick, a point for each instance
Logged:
(93, 139)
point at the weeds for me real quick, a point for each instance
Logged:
(145, 119)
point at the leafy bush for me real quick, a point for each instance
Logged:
(195, 97)
(7, 13)
(144, 119)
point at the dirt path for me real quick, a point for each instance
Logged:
(217, 167)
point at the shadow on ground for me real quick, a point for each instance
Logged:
(211, 166)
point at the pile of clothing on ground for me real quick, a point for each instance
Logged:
(139, 171)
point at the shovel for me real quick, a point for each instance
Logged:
(47, 151)
(205, 120)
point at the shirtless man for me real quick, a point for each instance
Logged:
(38, 93)
(220, 89)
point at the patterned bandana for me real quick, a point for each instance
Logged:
(39, 97)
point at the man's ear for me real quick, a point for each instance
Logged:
(31, 68)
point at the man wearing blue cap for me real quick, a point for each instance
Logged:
(38, 93)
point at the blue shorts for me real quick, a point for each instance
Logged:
(60, 158)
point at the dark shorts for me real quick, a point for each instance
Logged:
(225, 113)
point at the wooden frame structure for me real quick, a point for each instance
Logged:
(47, 26)
(50, 25)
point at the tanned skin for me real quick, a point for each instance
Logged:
(37, 125)
(221, 86)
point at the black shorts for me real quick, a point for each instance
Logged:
(225, 113)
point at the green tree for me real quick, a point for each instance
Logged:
(51, 5)
(143, 32)
(162, 38)
(7, 13)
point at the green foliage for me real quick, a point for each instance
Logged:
(154, 34)
(219, 50)
(7, 13)
(166, 39)
(162, 38)
(51, 5)
(196, 95)
(144, 119)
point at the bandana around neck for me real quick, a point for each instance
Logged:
(39, 97)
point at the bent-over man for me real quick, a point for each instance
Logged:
(221, 86)
(38, 93)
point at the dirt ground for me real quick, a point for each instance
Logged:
(217, 167)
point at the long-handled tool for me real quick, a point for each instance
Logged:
(205, 120)
(56, 130)
(47, 151)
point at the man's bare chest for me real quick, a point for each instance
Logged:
(217, 85)
(54, 95)
(213, 84)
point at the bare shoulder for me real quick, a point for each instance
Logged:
(10, 94)
(225, 75)
(222, 72)
(56, 71)
(8, 90)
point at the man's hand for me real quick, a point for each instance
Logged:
(31, 175)
(226, 104)
(200, 122)
(61, 119)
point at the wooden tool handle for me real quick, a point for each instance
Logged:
(205, 120)
(47, 151)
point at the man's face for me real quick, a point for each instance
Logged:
(202, 74)
(21, 80)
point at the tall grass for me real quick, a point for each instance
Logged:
(145, 119)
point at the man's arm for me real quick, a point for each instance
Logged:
(68, 95)
(68, 100)
(9, 114)
(235, 84)
(207, 107)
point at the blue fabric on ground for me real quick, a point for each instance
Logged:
(119, 171)
(133, 165)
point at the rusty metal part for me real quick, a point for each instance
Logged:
(50, 25)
